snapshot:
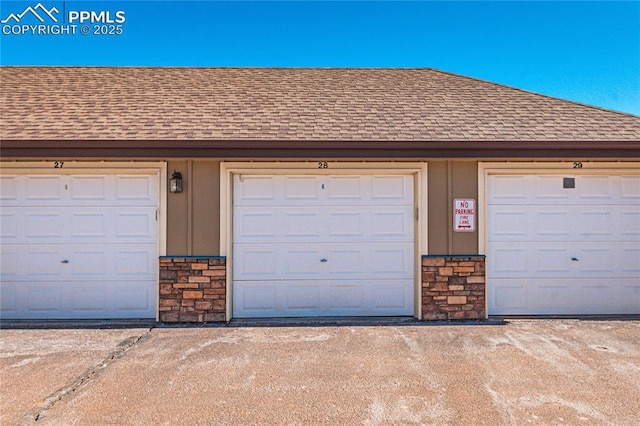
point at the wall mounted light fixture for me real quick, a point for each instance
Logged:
(175, 183)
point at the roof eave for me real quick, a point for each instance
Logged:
(175, 148)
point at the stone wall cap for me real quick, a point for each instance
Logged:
(453, 256)
(193, 257)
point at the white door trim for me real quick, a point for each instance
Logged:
(228, 169)
(106, 167)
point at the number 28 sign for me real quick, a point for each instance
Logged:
(464, 215)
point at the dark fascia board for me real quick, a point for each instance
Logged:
(319, 149)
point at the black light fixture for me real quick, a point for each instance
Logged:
(175, 183)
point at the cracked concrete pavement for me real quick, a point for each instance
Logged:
(522, 372)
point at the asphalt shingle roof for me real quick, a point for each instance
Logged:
(290, 104)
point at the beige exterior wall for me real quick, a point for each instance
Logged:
(194, 215)
(448, 180)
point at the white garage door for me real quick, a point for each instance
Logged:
(323, 246)
(79, 246)
(563, 245)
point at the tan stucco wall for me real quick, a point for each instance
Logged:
(194, 215)
(193, 225)
(448, 180)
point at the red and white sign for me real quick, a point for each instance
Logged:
(464, 215)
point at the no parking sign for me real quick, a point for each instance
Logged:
(464, 215)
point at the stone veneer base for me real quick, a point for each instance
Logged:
(193, 289)
(453, 287)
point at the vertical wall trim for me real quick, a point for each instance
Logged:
(190, 217)
(449, 208)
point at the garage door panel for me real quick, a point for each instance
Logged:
(558, 259)
(345, 261)
(548, 189)
(630, 260)
(134, 261)
(630, 224)
(45, 226)
(299, 188)
(287, 261)
(630, 189)
(256, 299)
(592, 189)
(507, 296)
(134, 300)
(47, 262)
(314, 224)
(254, 224)
(88, 188)
(253, 261)
(394, 296)
(40, 188)
(563, 249)
(8, 301)
(596, 223)
(303, 298)
(391, 188)
(10, 263)
(347, 224)
(551, 261)
(532, 223)
(79, 245)
(391, 261)
(61, 225)
(79, 190)
(597, 261)
(9, 225)
(25, 262)
(630, 296)
(552, 223)
(509, 189)
(86, 299)
(136, 224)
(351, 189)
(510, 223)
(254, 190)
(44, 300)
(322, 245)
(8, 189)
(301, 224)
(570, 296)
(300, 261)
(89, 225)
(506, 260)
(89, 263)
(135, 189)
(540, 190)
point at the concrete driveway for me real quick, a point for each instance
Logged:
(522, 372)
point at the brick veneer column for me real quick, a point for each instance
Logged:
(453, 287)
(192, 289)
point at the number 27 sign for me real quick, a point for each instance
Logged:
(464, 215)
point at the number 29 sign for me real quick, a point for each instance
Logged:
(464, 215)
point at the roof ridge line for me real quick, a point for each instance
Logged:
(494, 83)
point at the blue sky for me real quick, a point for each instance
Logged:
(588, 52)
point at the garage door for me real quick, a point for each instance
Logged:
(563, 245)
(323, 246)
(79, 246)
